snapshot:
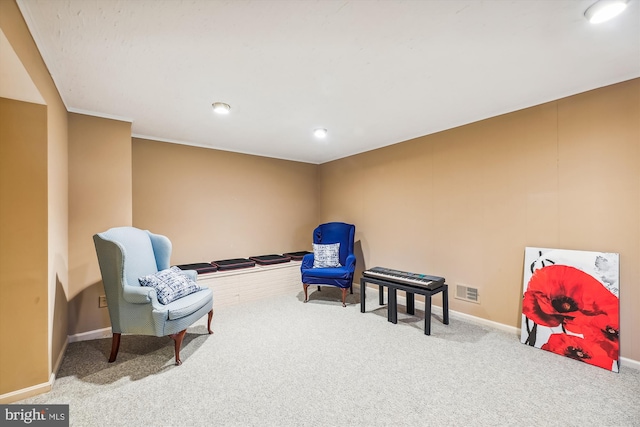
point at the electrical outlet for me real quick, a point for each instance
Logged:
(102, 301)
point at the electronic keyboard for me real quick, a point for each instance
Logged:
(422, 280)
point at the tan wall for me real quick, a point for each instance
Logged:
(55, 237)
(112, 185)
(99, 198)
(464, 203)
(564, 174)
(599, 188)
(24, 359)
(219, 205)
(58, 183)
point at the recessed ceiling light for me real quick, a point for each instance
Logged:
(603, 10)
(320, 133)
(221, 108)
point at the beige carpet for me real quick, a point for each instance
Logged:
(279, 362)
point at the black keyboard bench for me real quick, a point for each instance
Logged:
(410, 289)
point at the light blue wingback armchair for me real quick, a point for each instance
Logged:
(126, 254)
(340, 276)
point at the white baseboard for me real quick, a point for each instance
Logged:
(629, 363)
(27, 392)
(106, 332)
(477, 320)
(624, 361)
(58, 362)
(35, 390)
(91, 335)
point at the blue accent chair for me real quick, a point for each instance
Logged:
(342, 277)
(124, 255)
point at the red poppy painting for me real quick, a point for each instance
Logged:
(570, 304)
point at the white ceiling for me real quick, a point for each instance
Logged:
(373, 73)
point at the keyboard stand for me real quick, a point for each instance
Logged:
(410, 290)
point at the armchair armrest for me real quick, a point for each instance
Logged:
(191, 274)
(137, 294)
(350, 263)
(307, 261)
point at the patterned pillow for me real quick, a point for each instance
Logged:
(170, 284)
(326, 255)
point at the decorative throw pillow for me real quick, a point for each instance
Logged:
(326, 255)
(170, 284)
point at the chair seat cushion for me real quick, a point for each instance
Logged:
(170, 284)
(329, 273)
(189, 304)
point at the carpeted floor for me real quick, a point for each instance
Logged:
(279, 362)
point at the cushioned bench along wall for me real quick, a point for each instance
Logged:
(296, 256)
(200, 267)
(270, 259)
(234, 263)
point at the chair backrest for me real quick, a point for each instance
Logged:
(126, 254)
(138, 257)
(336, 232)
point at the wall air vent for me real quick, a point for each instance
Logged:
(467, 293)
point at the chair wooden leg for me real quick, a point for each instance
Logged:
(344, 296)
(178, 343)
(115, 346)
(209, 322)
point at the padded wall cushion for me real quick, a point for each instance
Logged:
(234, 263)
(296, 256)
(200, 267)
(269, 259)
(170, 284)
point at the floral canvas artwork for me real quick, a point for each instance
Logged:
(570, 304)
